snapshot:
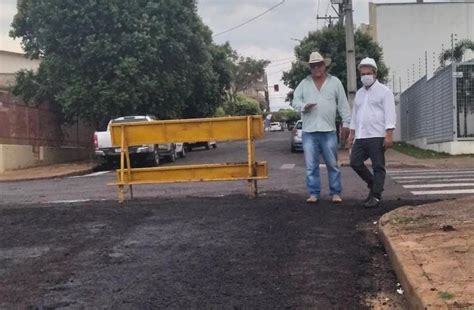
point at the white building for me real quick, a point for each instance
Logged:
(413, 35)
(10, 64)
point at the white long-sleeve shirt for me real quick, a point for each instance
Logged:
(373, 112)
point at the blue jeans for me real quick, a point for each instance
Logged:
(316, 144)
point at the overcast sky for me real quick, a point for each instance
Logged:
(268, 37)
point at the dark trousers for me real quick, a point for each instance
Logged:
(374, 149)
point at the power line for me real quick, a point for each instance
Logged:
(280, 64)
(281, 59)
(317, 14)
(250, 20)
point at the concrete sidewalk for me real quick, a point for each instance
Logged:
(48, 172)
(431, 248)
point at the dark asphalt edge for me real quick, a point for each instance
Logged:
(50, 177)
(404, 265)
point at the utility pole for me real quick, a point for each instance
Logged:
(330, 18)
(350, 52)
(339, 12)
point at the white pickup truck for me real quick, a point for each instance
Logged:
(153, 154)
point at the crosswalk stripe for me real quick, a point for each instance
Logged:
(425, 170)
(90, 175)
(287, 166)
(420, 177)
(440, 185)
(438, 172)
(434, 180)
(444, 192)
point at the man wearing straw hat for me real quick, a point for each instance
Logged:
(318, 97)
(373, 122)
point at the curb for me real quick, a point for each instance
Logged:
(416, 286)
(50, 177)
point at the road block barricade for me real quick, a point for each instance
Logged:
(246, 128)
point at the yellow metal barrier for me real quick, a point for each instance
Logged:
(247, 128)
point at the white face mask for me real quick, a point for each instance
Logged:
(367, 80)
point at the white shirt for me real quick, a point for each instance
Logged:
(373, 112)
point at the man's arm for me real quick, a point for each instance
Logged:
(298, 98)
(343, 106)
(353, 125)
(390, 118)
(344, 111)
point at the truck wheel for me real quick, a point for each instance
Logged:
(156, 157)
(182, 154)
(173, 156)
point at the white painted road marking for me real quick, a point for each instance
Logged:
(287, 166)
(440, 185)
(69, 201)
(445, 192)
(439, 172)
(90, 175)
(425, 170)
(435, 181)
(419, 177)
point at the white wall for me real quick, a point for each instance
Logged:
(406, 31)
(452, 148)
(14, 62)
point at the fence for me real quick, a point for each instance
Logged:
(21, 124)
(440, 109)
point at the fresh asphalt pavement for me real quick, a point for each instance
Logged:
(286, 175)
(68, 243)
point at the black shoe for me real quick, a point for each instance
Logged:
(367, 199)
(372, 203)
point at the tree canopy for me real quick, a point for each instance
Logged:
(330, 42)
(457, 53)
(102, 59)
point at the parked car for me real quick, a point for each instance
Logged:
(297, 137)
(207, 145)
(153, 154)
(276, 127)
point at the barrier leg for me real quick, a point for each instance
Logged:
(129, 171)
(121, 194)
(122, 165)
(251, 158)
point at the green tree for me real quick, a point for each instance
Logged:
(330, 42)
(102, 59)
(248, 71)
(247, 106)
(456, 54)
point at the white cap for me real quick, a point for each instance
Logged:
(369, 62)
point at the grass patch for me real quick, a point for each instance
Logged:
(446, 295)
(413, 151)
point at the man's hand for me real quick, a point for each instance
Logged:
(309, 106)
(388, 142)
(343, 135)
(351, 138)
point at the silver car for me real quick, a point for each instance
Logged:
(297, 137)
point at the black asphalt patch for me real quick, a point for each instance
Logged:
(211, 253)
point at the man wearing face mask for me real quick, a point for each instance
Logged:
(318, 97)
(372, 126)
